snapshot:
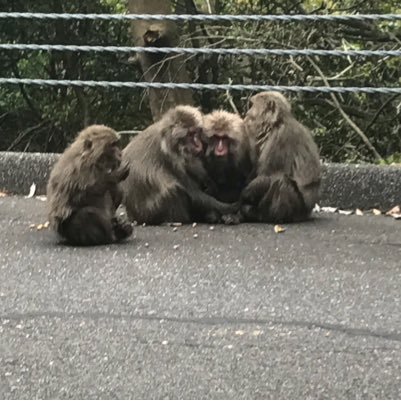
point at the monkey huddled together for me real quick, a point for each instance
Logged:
(187, 167)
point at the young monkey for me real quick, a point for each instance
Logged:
(83, 191)
(288, 170)
(229, 154)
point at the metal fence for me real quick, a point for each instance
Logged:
(194, 51)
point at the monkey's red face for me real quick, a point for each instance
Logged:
(220, 145)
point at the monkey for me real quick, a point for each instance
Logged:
(287, 178)
(84, 192)
(168, 175)
(230, 154)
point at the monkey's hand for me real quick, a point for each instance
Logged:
(249, 213)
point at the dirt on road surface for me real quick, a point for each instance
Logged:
(193, 312)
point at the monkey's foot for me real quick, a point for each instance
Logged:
(122, 229)
(232, 219)
(248, 213)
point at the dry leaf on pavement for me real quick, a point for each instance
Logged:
(328, 209)
(278, 229)
(32, 191)
(345, 212)
(393, 211)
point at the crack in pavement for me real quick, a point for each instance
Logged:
(207, 321)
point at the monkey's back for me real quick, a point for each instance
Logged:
(290, 149)
(291, 155)
(68, 182)
(152, 194)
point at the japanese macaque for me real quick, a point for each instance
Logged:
(167, 173)
(288, 170)
(84, 191)
(229, 155)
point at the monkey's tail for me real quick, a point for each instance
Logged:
(87, 227)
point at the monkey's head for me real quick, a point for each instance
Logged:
(268, 109)
(99, 145)
(182, 131)
(226, 135)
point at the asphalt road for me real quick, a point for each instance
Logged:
(236, 312)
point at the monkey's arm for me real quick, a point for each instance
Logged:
(205, 203)
(255, 190)
(201, 201)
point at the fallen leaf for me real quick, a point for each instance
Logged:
(43, 226)
(358, 212)
(328, 209)
(345, 212)
(393, 211)
(32, 191)
(42, 198)
(278, 229)
(376, 212)
(317, 208)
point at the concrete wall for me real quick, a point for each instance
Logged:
(344, 186)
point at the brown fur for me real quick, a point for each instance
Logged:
(288, 170)
(83, 190)
(167, 171)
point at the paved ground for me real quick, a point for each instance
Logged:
(238, 312)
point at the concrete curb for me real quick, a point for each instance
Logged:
(344, 186)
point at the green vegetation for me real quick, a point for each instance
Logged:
(45, 119)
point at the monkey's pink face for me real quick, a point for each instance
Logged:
(220, 145)
(189, 141)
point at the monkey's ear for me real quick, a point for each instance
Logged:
(87, 144)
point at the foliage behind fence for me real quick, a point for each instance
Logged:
(316, 56)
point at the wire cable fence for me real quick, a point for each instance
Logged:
(203, 17)
(203, 51)
(344, 50)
